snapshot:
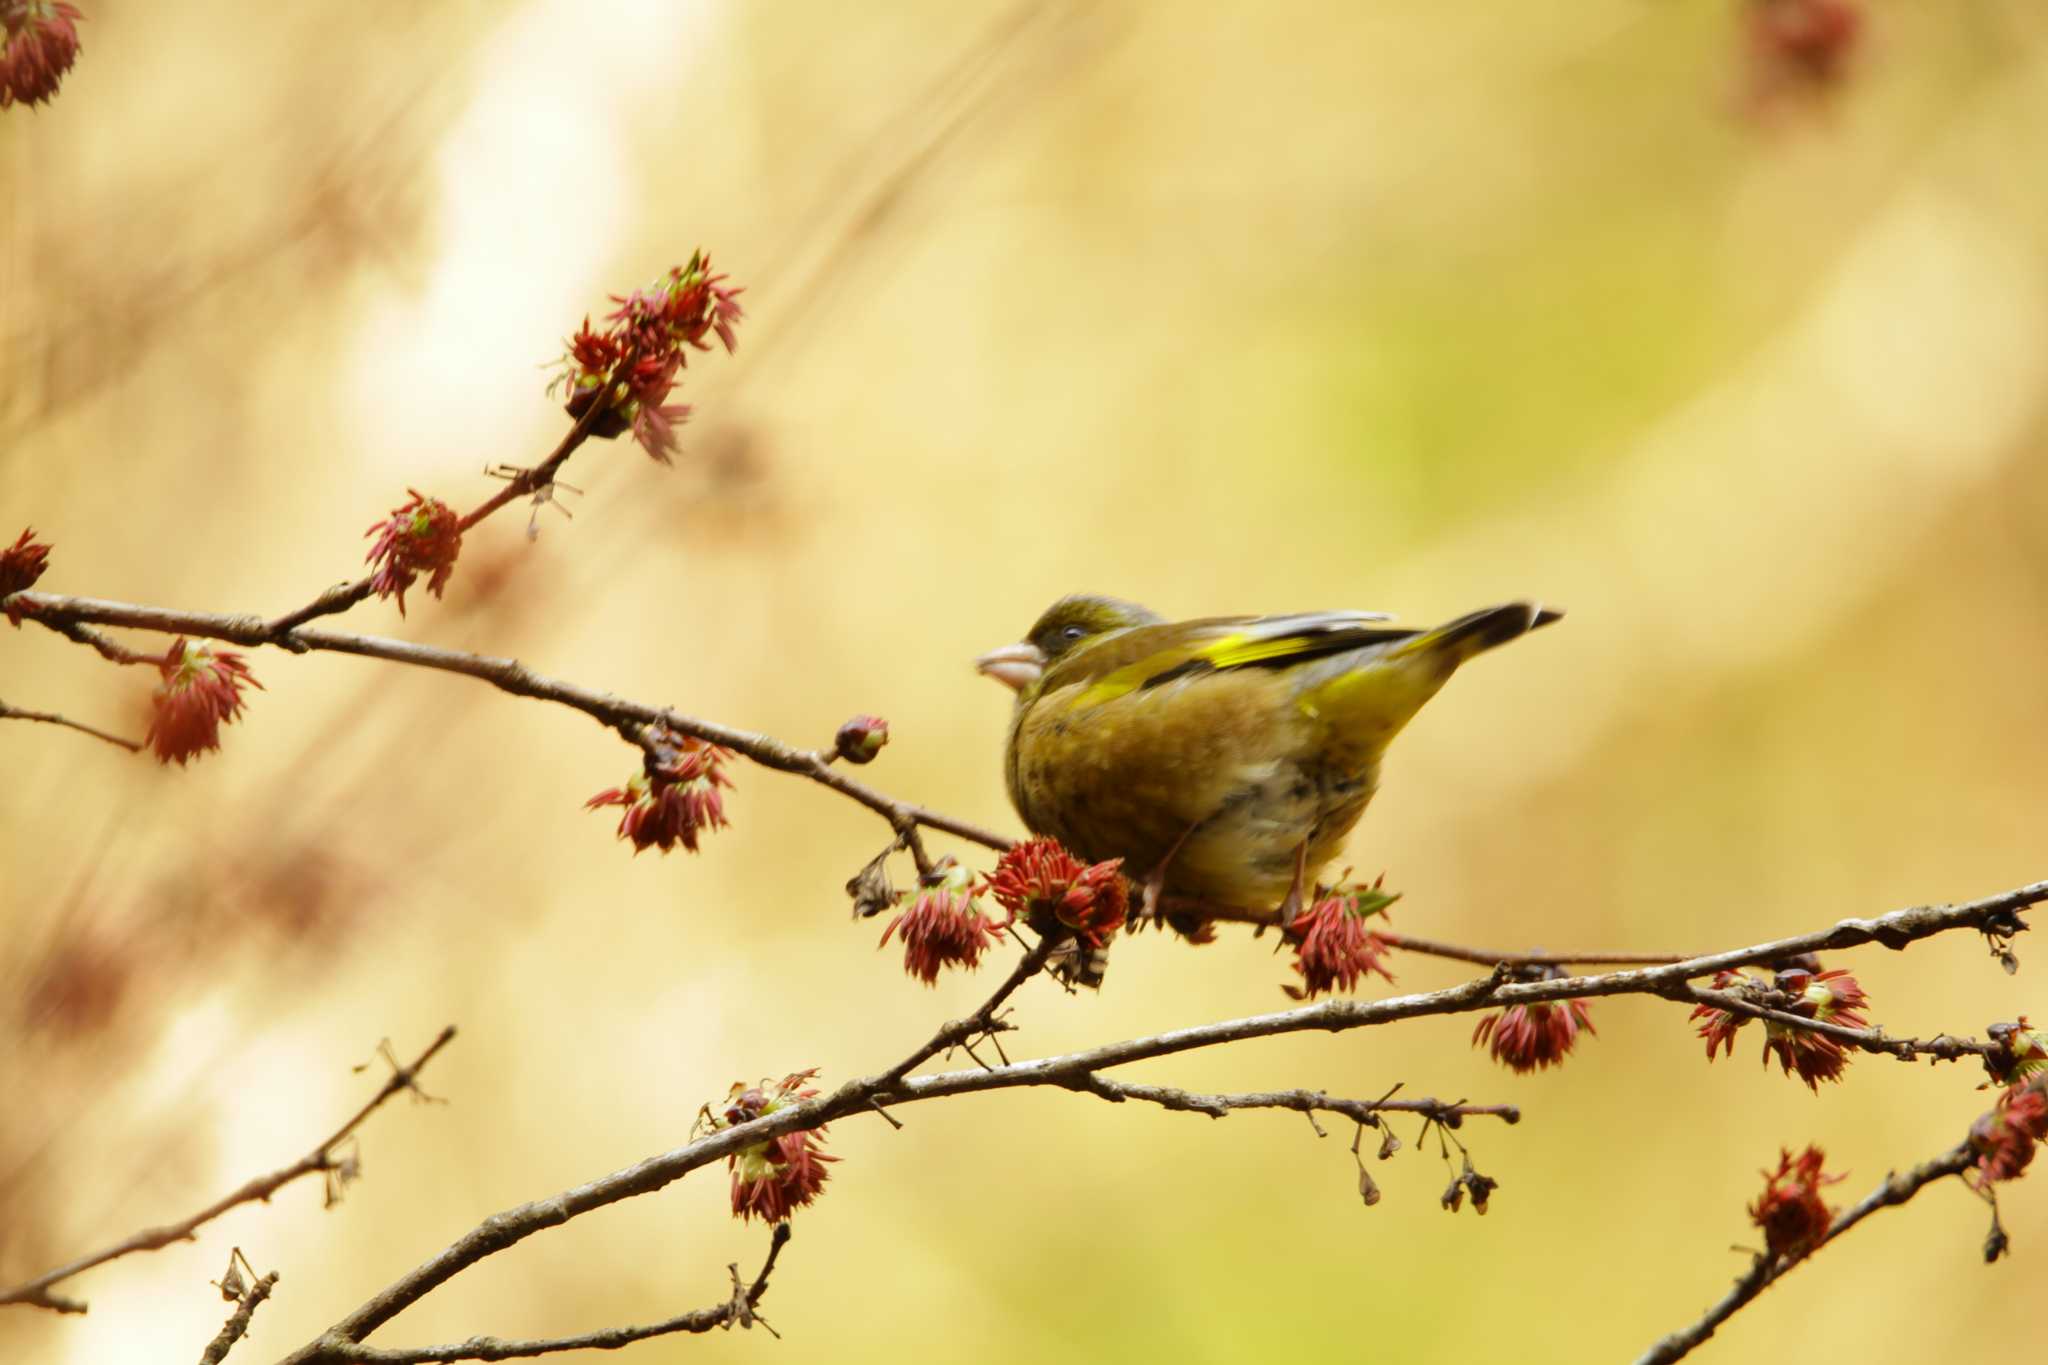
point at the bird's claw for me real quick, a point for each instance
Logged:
(1292, 904)
(1152, 894)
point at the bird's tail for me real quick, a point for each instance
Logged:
(1366, 705)
(1476, 632)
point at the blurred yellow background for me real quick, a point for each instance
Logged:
(1389, 306)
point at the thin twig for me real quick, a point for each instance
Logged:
(1310, 1102)
(739, 1310)
(1767, 1269)
(344, 596)
(982, 1021)
(514, 1225)
(238, 1321)
(1944, 1047)
(320, 1159)
(1488, 957)
(133, 746)
(108, 649)
(508, 675)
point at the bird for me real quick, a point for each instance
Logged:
(1223, 759)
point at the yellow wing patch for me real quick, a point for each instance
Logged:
(1233, 651)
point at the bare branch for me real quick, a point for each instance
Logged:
(982, 1021)
(508, 675)
(739, 1310)
(1310, 1102)
(342, 597)
(321, 1159)
(1767, 1269)
(1488, 957)
(7, 712)
(110, 650)
(238, 1322)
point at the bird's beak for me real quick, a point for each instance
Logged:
(1015, 666)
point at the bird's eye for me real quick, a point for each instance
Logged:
(1072, 633)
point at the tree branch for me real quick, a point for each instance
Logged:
(512, 1226)
(1944, 1047)
(238, 1322)
(1488, 957)
(52, 718)
(507, 675)
(1768, 1269)
(738, 1310)
(982, 1021)
(342, 597)
(37, 1291)
(110, 650)
(1310, 1102)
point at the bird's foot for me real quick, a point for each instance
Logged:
(1152, 894)
(1292, 904)
(1153, 890)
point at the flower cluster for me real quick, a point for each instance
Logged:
(1039, 882)
(2019, 1052)
(1790, 1211)
(21, 564)
(1333, 948)
(632, 366)
(770, 1179)
(41, 43)
(2003, 1140)
(1829, 997)
(675, 795)
(201, 691)
(944, 926)
(422, 537)
(1531, 1037)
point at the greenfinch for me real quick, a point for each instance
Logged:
(1225, 759)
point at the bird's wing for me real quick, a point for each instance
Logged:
(1278, 640)
(1148, 656)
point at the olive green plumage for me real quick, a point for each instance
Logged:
(1243, 747)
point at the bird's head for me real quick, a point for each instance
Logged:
(1067, 625)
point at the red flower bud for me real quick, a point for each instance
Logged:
(423, 536)
(1531, 1037)
(861, 738)
(675, 796)
(1333, 948)
(1831, 997)
(1039, 881)
(771, 1179)
(41, 43)
(656, 326)
(1790, 1211)
(2004, 1139)
(21, 564)
(2022, 1052)
(201, 691)
(944, 926)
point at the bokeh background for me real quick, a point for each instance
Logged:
(1274, 307)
